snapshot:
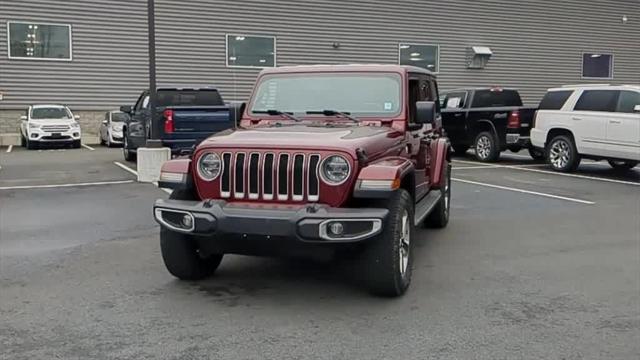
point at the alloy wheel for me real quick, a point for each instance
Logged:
(559, 154)
(483, 147)
(404, 242)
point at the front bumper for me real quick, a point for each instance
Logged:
(310, 223)
(116, 137)
(47, 136)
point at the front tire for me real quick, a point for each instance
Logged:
(76, 144)
(486, 146)
(562, 154)
(387, 259)
(439, 217)
(128, 154)
(180, 252)
(622, 164)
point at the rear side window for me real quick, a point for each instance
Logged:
(627, 101)
(455, 100)
(597, 100)
(496, 98)
(189, 97)
(554, 100)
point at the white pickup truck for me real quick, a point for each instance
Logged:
(49, 124)
(600, 122)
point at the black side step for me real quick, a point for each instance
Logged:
(424, 206)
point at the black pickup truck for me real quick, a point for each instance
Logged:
(490, 120)
(188, 116)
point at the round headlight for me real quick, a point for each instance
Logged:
(335, 170)
(209, 166)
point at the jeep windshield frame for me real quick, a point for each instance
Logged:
(360, 94)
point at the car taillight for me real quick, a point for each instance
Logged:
(513, 122)
(168, 121)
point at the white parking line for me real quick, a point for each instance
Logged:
(126, 168)
(10, 148)
(87, 147)
(525, 191)
(24, 187)
(525, 168)
(474, 167)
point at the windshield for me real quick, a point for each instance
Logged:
(355, 94)
(118, 117)
(50, 113)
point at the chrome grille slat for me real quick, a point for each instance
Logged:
(254, 165)
(225, 179)
(283, 177)
(238, 178)
(313, 182)
(267, 176)
(298, 178)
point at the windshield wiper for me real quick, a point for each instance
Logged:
(345, 115)
(277, 112)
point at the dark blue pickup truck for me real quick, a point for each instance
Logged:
(187, 115)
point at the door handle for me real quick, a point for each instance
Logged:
(576, 118)
(615, 122)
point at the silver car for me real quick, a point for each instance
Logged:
(111, 128)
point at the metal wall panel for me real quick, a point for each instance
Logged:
(537, 44)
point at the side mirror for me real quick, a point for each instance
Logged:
(76, 117)
(104, 122)
(636, 108)
(126, 109)
(23, 117)
(425, 112)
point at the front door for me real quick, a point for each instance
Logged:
(623, 127)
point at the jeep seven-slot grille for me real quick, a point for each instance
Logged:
(270, 176)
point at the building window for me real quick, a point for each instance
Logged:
(39, 41)
(251, 51)
(597, 65)
(424, 56)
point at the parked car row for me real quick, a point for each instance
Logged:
(600, 122)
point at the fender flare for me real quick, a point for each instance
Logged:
(484, 121)
(381, 178)
(170, 175)
(440, 158)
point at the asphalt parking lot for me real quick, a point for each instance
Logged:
(533, 265)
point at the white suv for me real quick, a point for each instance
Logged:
(49, 124)
(600, 122)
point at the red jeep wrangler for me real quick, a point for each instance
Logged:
(339, 159)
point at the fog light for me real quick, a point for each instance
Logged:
(34, 135)
(336, 228)
(76, 134)
(187, 221)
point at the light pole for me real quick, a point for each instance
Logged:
(154, 135)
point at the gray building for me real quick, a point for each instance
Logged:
(92, 55)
